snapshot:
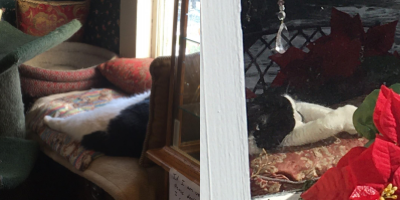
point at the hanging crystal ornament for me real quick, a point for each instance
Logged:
(280, 43)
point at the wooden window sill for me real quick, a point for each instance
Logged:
(168, 157)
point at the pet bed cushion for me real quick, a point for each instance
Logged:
(291, 168)
(63, 105)
(130, 74)
(67, 67)
(40, 17)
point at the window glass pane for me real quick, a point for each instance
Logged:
(193, 26)
(192, 47)
(186, 136)
(330, 58)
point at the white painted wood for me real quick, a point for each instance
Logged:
(127, 28)
(224, 150)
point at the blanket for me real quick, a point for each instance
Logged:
(64, 105)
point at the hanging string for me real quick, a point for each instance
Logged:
(280, 48)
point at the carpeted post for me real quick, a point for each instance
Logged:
(18, 155)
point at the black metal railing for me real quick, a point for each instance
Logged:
(260, 71)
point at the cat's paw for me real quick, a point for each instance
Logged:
(51, 122)
(47, 119)
(253, 148)
(346, 113)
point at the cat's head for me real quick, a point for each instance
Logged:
(272, 117)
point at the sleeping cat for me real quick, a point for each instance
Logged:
(278, 120)
(115, 129)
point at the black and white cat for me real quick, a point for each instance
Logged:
(115, 129)
(278, 120)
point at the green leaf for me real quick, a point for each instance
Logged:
(369, 143)
(363, 116)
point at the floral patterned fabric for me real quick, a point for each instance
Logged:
(132, 75)
(63, 107)
(38, 18)
(289, 168)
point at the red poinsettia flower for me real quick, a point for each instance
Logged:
(334, 56)
(292, 55)
(363, 173)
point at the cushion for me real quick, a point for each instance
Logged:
(38, 18)
(290, 168)
(160, 70)
(63, 105)
(131, 75)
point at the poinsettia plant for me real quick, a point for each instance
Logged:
(371, 173)
(337, 56)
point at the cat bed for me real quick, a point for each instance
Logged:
(17, 153)
(121, 177)
(67, 67)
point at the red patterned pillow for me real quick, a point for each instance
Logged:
(132, 75)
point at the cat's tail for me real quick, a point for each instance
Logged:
(96, 141)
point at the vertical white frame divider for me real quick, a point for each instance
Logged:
(224, 149)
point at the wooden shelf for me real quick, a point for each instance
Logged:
(167, 157)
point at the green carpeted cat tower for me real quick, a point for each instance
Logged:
(17, 154)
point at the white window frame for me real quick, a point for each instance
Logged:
(224, 158)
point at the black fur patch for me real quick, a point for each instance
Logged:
(125, 133)
(271, 118)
